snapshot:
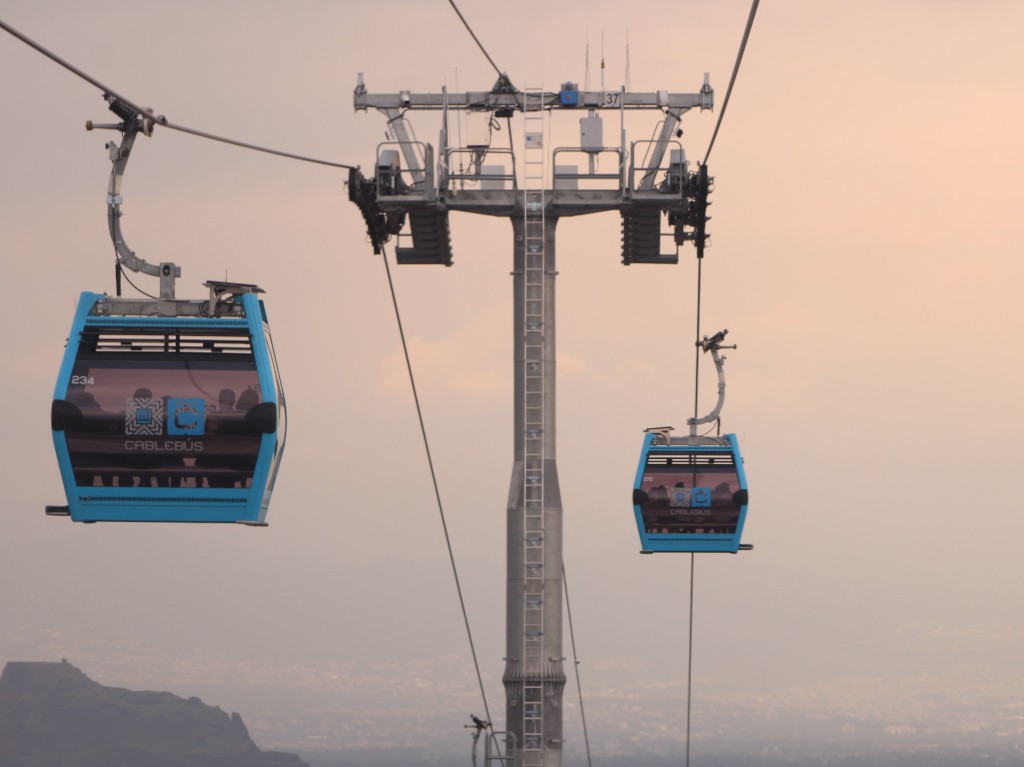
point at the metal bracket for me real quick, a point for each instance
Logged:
(132, 123)
(662, 434)
(713, 345)
(219, 289)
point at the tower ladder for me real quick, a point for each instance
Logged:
(534, 166)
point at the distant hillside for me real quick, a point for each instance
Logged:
(53, 715)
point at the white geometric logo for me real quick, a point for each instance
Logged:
(144, 416)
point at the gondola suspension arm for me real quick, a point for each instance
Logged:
(713, 345)
(132, 122)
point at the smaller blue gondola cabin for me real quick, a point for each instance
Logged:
(690, 494)
(169, 411)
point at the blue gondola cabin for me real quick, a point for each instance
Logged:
(690, 494)
(169, 418)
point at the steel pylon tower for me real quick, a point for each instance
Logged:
(411, 195)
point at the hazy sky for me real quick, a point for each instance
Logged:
(866, 258)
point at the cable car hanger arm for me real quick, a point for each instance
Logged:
(132, 121)
(712, 345)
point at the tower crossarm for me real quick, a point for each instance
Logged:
(496, 99)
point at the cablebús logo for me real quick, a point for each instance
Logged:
(697, 498)
(144, 416)
(186, 416)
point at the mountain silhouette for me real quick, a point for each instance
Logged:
(52, 714)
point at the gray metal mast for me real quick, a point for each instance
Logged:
(642, 185)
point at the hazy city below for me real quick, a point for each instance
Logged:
(412, 712)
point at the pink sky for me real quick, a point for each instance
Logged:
(866, 259)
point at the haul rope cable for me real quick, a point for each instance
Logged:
(693, 556)
(160, 119)
(576, 664)
(732, 80)
(437, 491)
(696, 390)
(475, 38)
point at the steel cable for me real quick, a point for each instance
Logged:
(693, 557)
(689, 660)
(160, 119)
(696, 385)
(576, 664)
(732, 80)
(437, 491)
(475, 38)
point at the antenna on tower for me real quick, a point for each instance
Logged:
(628, 84)
(586, 67)
(602, 61)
